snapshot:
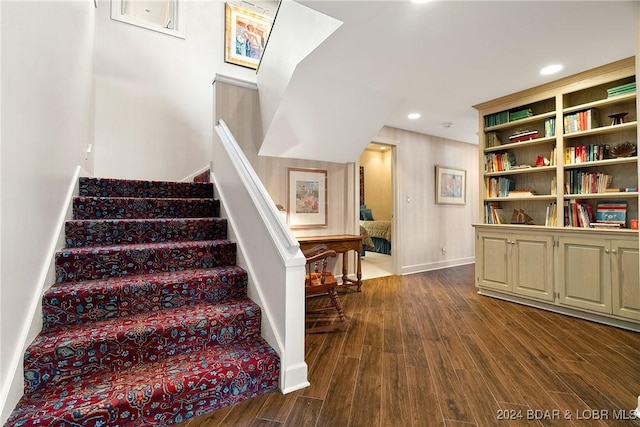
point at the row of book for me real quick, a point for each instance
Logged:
(496, 118)
(550, 126)
(520, 114)
(499, 162)
(551, 216)
(580, 121)
(586, 153)
(492, 139)
(499, 187)
(621, 90)
(506, 116)
(609, 214)
(493, 214)
(581, 182)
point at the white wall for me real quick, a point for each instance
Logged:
(47, 121)
(153, 94)
(424, 227)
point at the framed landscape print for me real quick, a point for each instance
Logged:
(306, 198)
(451, 185)
(246, 35)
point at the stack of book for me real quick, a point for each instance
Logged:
(499, 187)
(521, 193)
(499, 162)
(581, 120)
(612, 212)
(581, 182)
(524, 135)
(621, 90)
(520, 114)
(496, 118)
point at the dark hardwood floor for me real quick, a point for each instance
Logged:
(426, 350)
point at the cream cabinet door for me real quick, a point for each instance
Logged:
(585, 274)
(625, 273)
(532, 266)
(492, 266)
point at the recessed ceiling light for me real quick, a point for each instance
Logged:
(382, 148)
(551, 69)
(414, 116)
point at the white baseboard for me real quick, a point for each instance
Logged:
(419, 268)
(13, 386)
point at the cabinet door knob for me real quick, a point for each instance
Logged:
(614, 251)
(606, 251)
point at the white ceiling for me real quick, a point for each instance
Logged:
(440, 58)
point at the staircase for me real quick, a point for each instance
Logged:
(148, 322)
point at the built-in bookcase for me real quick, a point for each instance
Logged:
(538, 145)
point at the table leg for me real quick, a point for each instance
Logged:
(345, 279)
(359, 272)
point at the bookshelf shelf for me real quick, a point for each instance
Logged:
(603, 130)
(620, 99)
(606, 162)
(616, 195)
(543, 197)
(523, 171)
(523, 144)
(516, 123)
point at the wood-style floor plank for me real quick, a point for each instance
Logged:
(426, 350)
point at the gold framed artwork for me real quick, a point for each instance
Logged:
(451, 185)
(246, 35)
(306, 198)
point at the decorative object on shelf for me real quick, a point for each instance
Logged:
(633, 223)
(523, 135)
(520, 216)
(618, 118)
(626, 149)
(246, 35)
(451, 186)
(306, 198)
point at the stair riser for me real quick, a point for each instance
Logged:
(99, 187)
(163, 395)
(51, 358)
(125, 298)
(130, 208)
(116, 262)
(116, 232)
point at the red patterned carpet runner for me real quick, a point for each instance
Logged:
(148, 323)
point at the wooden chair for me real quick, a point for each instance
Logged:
(318, 281)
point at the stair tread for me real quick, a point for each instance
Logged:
(130, 187)
(204, 380)
(171, 317)
(144, 246)
(141, 279)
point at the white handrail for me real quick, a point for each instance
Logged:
(268, 251)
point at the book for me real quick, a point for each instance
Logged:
(612, 212)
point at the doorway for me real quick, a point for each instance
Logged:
(376, 206)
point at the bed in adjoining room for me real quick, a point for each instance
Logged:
(378, 231)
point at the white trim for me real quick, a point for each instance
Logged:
(235, 82)
(14, 382)
(419, 268)
(180, 20)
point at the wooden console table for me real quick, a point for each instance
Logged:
(341, 243)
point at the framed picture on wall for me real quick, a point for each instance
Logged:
(451, 186)
(306, 198)
(246, 35)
